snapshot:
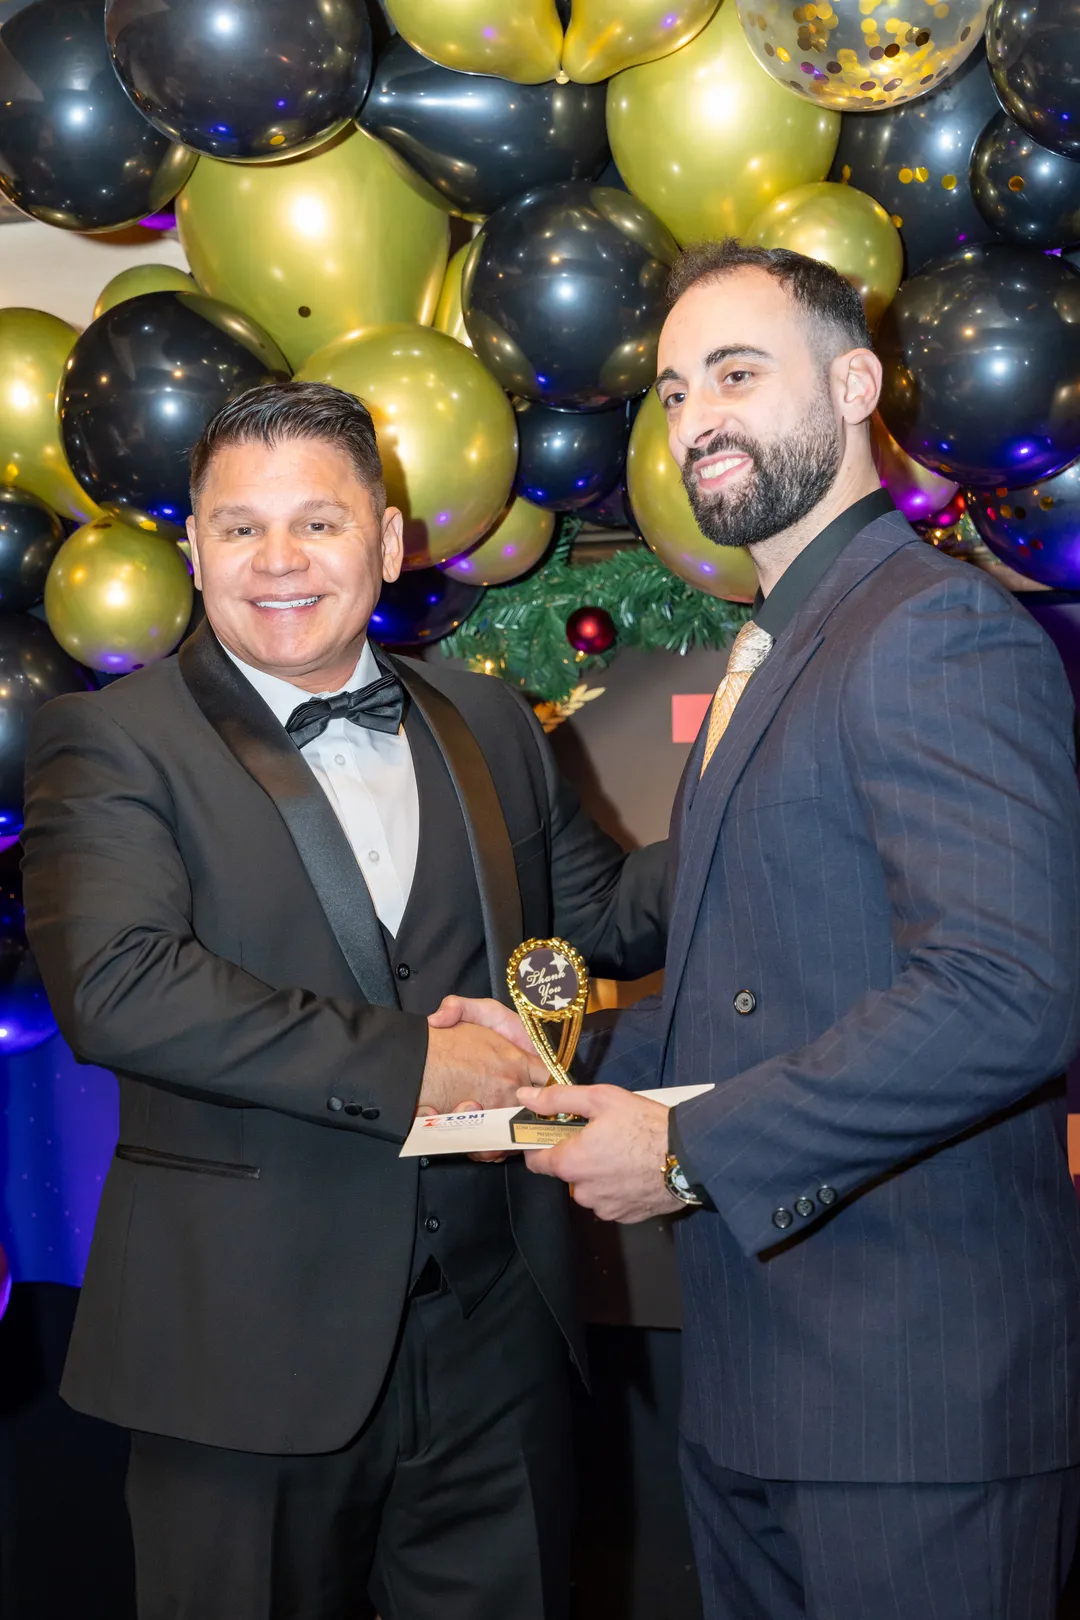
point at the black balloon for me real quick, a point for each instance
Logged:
(142, 382)
(567, 459)
(611, 511)
(1034, 51)
(73, 150)
(30, 537)
(25, 1015)
(246, 78)
(1036, 530)
(982, 366)
(914, 159)
(482, 141)
(423, 605)
(1027, 193)
(565, 299)
(33, 669)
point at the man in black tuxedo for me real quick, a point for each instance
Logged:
(251, 871)
(874, 956)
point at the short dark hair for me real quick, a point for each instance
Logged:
(833, 306)
(278, 411)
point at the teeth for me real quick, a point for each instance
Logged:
(294, 602)
(717, 469)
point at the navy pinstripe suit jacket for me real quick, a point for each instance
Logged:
(885, 851)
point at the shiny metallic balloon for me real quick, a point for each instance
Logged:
(569, 458)
(606, 36)
(446, 432)
(33, 669)
(855, 56)
(1035, 529)
(706, 140)
(422, 606)
(565, 298)
(118, 598)
(34, 348)
(140, 385)
(319, 245)
(1027, 193)
(513, 39)
(248, 79)
(842, 227)
(30, 537)
(1034, 52)
(915, 159)
(448, 316)
(919, 493)
(662, 513)
(139, 279)
(982, 366)
(73, 150)
(516, 544)
(611, 511)
(482, 141)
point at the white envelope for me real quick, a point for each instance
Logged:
(488, 1130)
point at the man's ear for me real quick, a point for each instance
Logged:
(393, 544)
(857, 385)
(193, 541)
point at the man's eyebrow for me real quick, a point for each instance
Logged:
(318, 504)
(667, 375)
(718, 356)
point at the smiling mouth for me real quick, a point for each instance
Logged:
(712, 471)
(281, 604)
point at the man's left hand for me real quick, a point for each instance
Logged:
(615, 1166)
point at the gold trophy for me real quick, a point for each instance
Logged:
(549, 984)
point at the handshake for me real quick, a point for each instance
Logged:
(478, 1055)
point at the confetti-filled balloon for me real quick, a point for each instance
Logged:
(842, 227)
(319, 246)
(117, 597)
(448, 316)
(422, 606)
(1032, 46)
(591, 630)
(853, 56)
(513, 39)
(1027, 193)
(662, 512)
(569, 458)
(446, 432)
(26, 1018)
(981, 355)
(30, 537)
(33, 669)
(34, 348)
(914, 160)
(706, 140)
(255, 79)
(1036, 530)
(516, 544)
(918, 492)
(606, 36)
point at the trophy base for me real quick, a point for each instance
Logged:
(541, 1130)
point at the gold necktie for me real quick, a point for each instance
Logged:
(749, 651)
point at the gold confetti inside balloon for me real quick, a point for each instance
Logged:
(516, 544)
(842, 227)
(34, 348)
(316, 246)
(918, 492)
(139, 279)
(662, 511)
(448, 316)
(706, 140)
(116, 597)
(513, 39)
(447, 433)
(858, 55)
(606, 36)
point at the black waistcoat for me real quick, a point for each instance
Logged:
(463, 1217)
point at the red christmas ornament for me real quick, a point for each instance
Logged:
(590, 630)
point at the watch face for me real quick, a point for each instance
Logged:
(548, 980)
(679, 1181)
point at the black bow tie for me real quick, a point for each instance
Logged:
(377, 707)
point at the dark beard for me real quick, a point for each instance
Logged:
(790, 476)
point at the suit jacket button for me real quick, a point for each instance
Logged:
(369, 1113)
(782, 1218)
(745, 1002)
(352, 1108)
(334, 1104)
(432, 1223)
(804, 1207)
(403, 970)
(826, 1196)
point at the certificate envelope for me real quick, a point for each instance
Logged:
(489, 1130)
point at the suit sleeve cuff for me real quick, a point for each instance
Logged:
(677, 1149)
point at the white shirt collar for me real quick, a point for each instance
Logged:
(283, 697)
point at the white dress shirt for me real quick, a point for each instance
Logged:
(369, 778)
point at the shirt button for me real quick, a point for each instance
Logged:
(804, 1207)
(403, 970)
(826, 1196)
(373, 856)
(424, 1163)
(745, 1002)
(339, 759)
(432, 1223)
(782, 1218)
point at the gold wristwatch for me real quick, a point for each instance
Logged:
(677, 1185)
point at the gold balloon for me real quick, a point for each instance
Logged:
(516, 544)
(919, 493)
(606, 36)
(854, 55)
(448, 316)
(117, 598)
(706, 140)
(842, 227)
(34, 347)
(316, 246)
(139, 279)
(512, 39)
(662, 510)
(447, 433)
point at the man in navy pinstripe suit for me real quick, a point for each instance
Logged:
(874, 955)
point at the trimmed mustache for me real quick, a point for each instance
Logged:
(725, 441)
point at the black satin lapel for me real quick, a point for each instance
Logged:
(489, 838)
(252, 734)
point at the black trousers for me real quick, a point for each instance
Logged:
(801, 1550)
(453, 1503)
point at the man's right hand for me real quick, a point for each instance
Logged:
(470, 1061)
